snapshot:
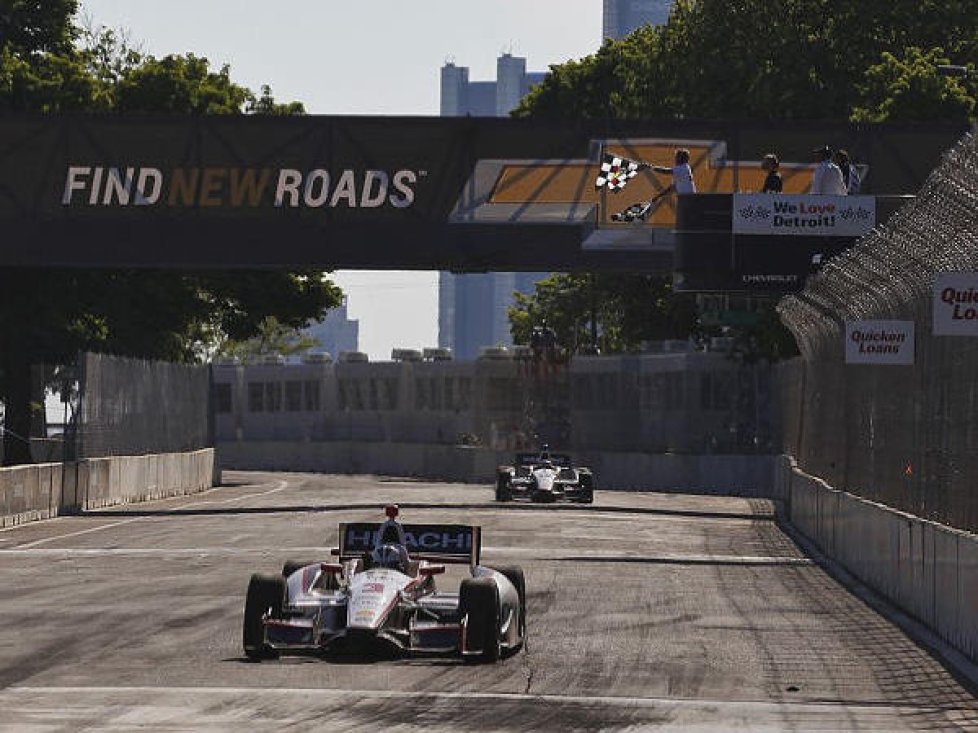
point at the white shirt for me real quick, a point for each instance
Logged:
(682, 178)
(854, 181)
(827, 179)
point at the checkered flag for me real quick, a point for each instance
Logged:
(615, 172)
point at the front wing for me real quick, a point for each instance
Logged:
(562, 492)
(430, 624)
(520, 487)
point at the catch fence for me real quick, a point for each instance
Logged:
(134, 407)
(902, 435)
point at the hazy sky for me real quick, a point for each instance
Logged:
(361, 57)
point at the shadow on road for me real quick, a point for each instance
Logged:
(373, 506)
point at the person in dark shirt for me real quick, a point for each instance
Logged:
(772, 184)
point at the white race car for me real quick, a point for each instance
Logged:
(544, 477)
(380, 591)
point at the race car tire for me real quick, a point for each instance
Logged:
(514, 573)
(478, 600)
(266, 593)
(587, 484)
(503, 491)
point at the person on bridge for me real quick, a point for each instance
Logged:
(850, 174)
(827, 178)
(682, 174)
(773, 183)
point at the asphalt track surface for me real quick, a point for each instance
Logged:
(645, 612)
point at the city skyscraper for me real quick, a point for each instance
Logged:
(461, 97)
(472, 308)
(336, 332)
(621, 17)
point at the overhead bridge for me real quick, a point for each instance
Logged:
(392, 193)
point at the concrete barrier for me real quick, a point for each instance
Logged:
(926, 569)
(421, 460)
(29, 493)
(745, 475)
(127, 479)
(45, 490)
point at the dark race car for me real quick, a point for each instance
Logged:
(544, 477)
(380, 593)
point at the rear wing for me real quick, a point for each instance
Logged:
(561, 460)
(448, 543)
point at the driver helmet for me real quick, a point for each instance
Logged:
(389, 556)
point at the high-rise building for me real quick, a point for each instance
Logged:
(461, 97)
(472, 308)
(621, 17)
(335, 332)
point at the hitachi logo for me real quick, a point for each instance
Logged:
(238, 187)
(355, 539)
(440, 541)
(418, 540)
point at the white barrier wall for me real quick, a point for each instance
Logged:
(42, 491)
(928, 570)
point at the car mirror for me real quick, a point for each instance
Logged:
(431, 570)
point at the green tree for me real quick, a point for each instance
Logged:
(181, 84)
(46, 315)
(29, 27)
(265, 104)
(621, 310)
(909, 87)
(751, 59)
(273, 338)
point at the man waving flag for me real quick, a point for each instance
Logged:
(616, 171)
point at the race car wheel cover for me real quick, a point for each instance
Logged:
(514, 573)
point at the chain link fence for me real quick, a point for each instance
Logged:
(135, 407)
(902, 435)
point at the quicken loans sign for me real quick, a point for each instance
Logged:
(803, 214)
(956, 304)
(879, 342)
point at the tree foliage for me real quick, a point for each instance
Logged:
(622, 311)
(179, 84)
(909, 87)
(49, 65)
(754, 59)
(273, 338)
(29, 27)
